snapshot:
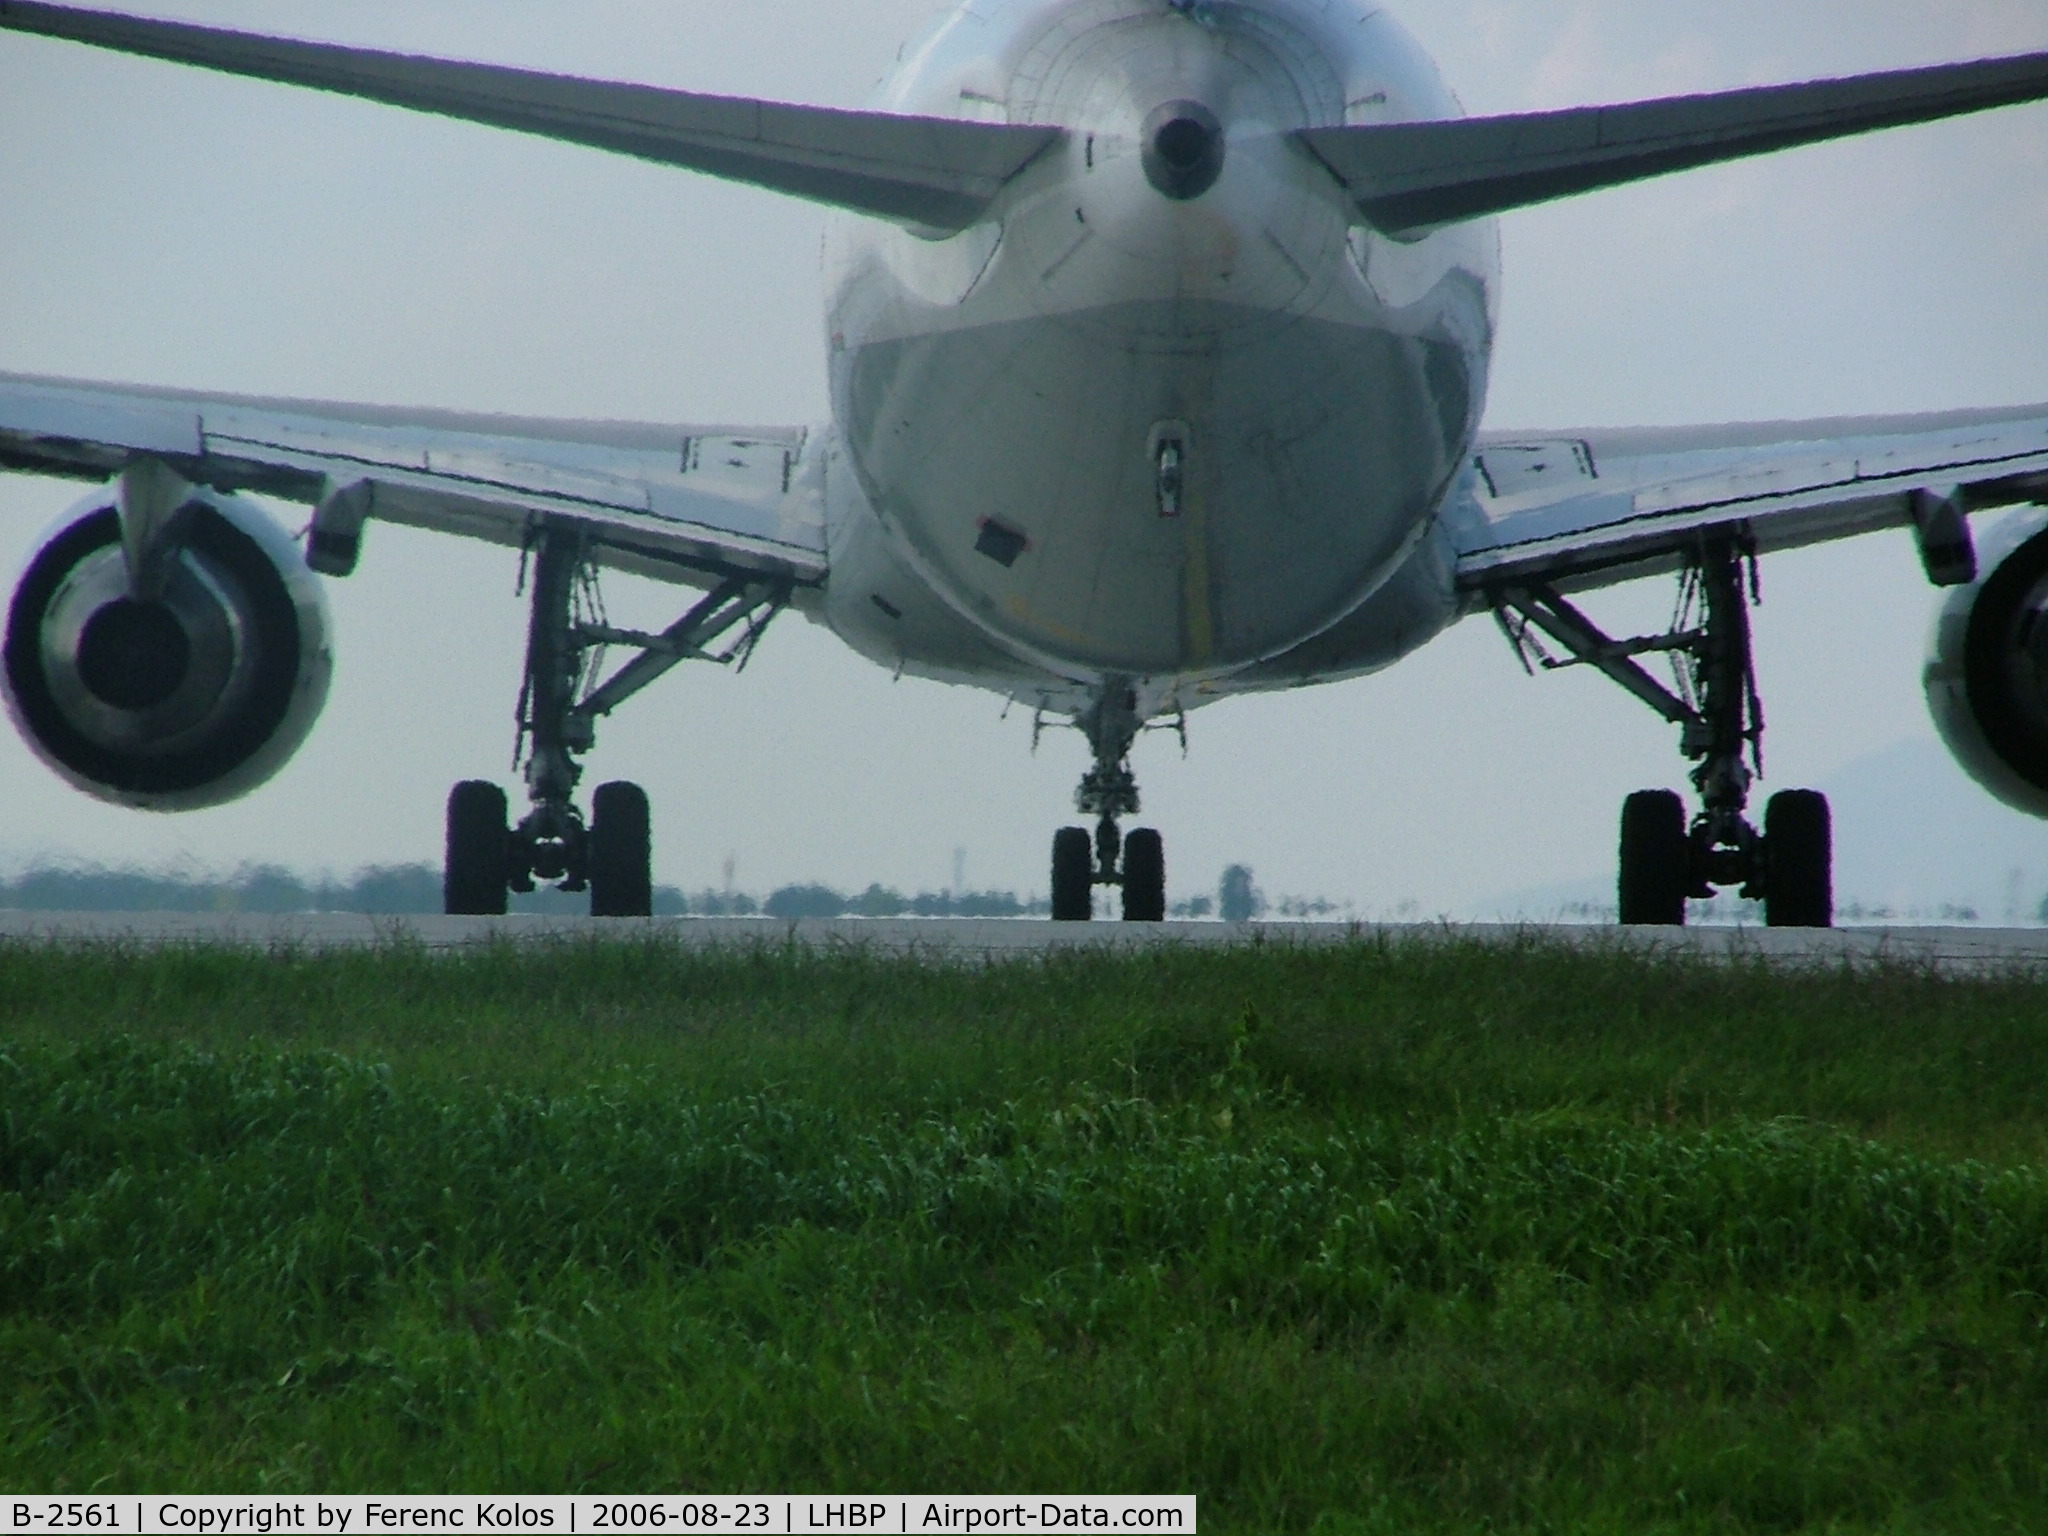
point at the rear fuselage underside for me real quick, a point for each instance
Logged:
(1128, 432)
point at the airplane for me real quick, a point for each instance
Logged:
(1159, 338)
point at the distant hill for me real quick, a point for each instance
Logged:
(1915, 839)
(1914, 833)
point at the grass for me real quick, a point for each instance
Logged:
(1381, 1237)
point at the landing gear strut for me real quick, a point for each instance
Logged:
(1109, 792)
(609, 855)
(1665, 859)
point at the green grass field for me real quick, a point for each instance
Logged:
(1372, 1238)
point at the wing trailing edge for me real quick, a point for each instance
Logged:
(939, 174)
(1408, 178)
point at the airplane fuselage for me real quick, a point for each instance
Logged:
(1158, 420)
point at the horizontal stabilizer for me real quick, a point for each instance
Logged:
(937, 173)
(1411, 177)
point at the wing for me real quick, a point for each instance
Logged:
(1577, 510)
(931, 173)
(1408, 178)
(692, 505)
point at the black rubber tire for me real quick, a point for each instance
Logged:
(1144, 877)
(1799, 860)
(1073, 875)
(621, 852)
(474, 879)
(1656, 856)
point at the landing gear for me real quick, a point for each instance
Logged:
(1144, 877)
(1073, 876)
(1656, 859)
(473, 880)
(621, 853)
(1799, 887)
(609, 855)
(1109, 792)
(1665, 860)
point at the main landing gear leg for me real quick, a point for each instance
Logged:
(609, 855)
(1108, 792)
(1664, 859)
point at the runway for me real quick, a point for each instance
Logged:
(1971, 950)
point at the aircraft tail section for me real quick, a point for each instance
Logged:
(934, 173)
(1409, 178)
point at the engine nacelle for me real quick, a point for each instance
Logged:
(1987, 671)
(189, 698)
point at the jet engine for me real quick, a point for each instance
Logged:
(1987, 671)
(166, 649)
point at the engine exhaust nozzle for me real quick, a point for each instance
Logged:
(1184, 149)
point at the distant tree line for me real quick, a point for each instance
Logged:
(794, 901)
(396, 890)
(385, 890)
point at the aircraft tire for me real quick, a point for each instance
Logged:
(621, 852)
(1144, 877)
(1073, 875)
(473, 879)
(1799, 856)
(1655, 855)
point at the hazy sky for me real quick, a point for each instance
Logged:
(166, 226)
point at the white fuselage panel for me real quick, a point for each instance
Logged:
(1123, 435)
